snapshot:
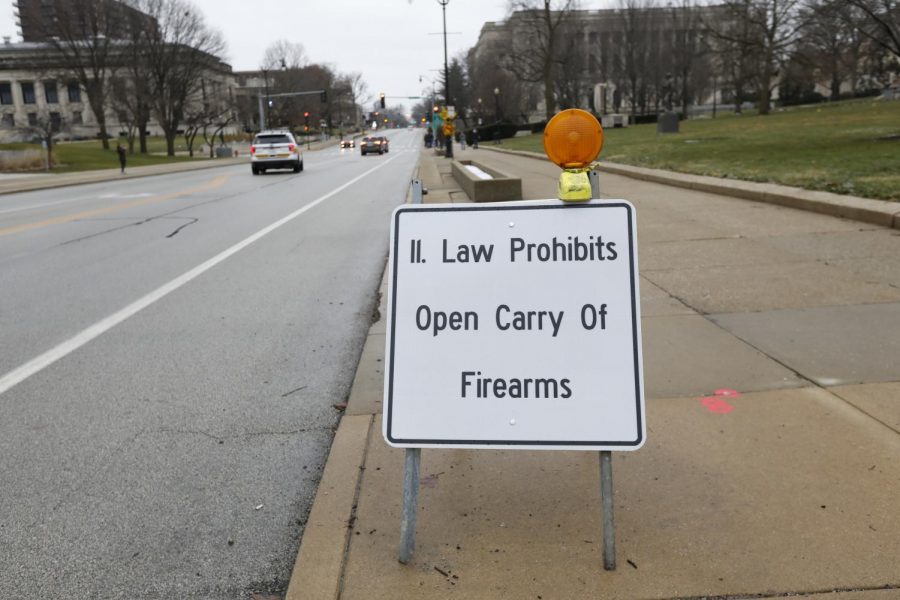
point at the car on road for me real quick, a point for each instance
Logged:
(275, 150)
(348, 143)
(371, 144)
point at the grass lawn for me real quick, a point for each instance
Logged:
(90, 155)
(846, 147)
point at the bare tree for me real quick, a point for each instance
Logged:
(46, 125)
(685, 48)
(178, 52)
(831, 43)
(572, 62)
(287, 111)
(632, 55)
(539, 25)
(882, 22)
(283, 54)
(131, 93)
(221, 111)
(122, 98)
(767, 30)
(349, 92)
(83, 35)
(731, 56)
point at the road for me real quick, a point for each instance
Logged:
(171, 351)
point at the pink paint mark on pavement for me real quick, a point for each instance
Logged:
(717, 404)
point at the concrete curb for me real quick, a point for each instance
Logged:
(319, 566)
(867, 210)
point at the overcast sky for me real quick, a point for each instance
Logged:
(391, 42)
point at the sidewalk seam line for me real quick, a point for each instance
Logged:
(801, 376)
(863, 411)
(763, 595)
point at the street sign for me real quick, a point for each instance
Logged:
(514, 325)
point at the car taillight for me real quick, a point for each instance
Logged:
(377, 143)
(291, 147)
(252, 149)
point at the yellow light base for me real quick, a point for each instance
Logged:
(574, 186)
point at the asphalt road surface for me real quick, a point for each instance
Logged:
(171, 351)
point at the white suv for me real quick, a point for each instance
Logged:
(275, 150)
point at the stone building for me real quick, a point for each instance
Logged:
(39, 93)
(594, 60)
(35, 90)
(31, 91)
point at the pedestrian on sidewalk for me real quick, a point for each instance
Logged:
(120, 150)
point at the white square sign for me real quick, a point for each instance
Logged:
(514, 325)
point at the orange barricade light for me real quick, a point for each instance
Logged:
(573, 139)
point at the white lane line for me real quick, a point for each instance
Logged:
(49, 357)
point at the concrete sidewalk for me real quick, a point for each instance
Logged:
(786, 318)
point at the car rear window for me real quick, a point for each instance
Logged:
(272, 139)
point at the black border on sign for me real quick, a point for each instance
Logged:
(634, 334)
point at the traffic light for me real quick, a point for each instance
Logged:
(306, 118)
(436, 109)
(382, 99)
(323, 97)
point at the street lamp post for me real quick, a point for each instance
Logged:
(497, 104)
(268, 101)
(479, 111)
(449, 140)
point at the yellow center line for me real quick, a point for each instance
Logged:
(211, 185)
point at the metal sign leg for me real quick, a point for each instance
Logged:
(410, 504)
(594, 177)
(606, 501)
(418, 190)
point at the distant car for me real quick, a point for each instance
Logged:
(371, 144)
(275, 150)
(348, 143)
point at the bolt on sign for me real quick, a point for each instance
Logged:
(514, 326)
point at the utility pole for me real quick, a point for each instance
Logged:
(449, 140)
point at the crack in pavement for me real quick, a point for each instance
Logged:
(174, 233)
(131, 224)
(168, 215)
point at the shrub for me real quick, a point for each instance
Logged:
(21, 160)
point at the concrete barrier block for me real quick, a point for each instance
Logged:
(501, 187)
